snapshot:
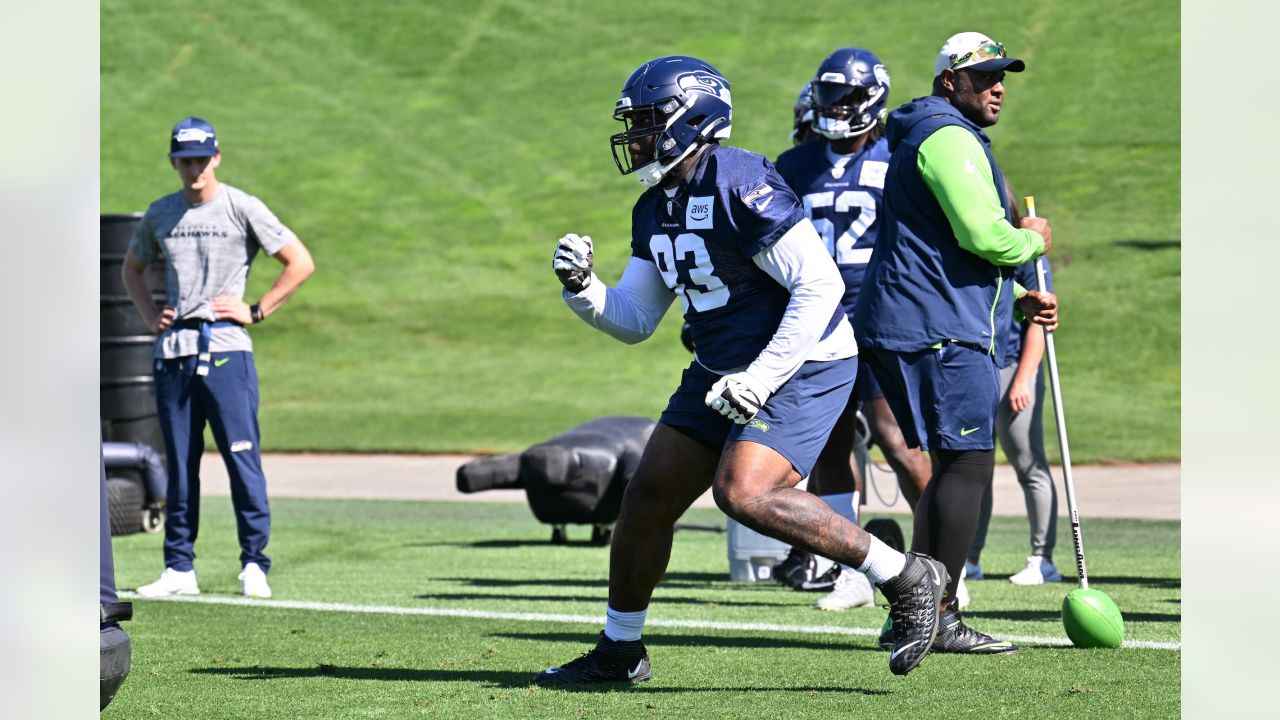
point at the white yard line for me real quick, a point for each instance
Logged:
(596, 620)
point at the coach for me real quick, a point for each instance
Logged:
(939, 293)
(208, 234)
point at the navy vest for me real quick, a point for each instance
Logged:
(921, 287)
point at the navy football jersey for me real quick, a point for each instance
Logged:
(732, 206)
(843, 198)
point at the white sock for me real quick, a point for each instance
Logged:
(846, 506)
(882, 563)
(624, 625)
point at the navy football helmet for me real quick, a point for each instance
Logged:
(802, 130)
(850, 92)
(670, 107)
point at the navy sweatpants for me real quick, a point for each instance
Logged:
(227, 399)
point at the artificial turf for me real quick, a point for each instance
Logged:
(486, 562)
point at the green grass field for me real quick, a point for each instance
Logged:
(430, 154)
(337, 641)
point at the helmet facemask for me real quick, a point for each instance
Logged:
(648, 146)
(843, 111)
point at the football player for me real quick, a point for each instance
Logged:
(718, 228)
(840, 180)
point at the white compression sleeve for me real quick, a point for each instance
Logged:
(800, 263)
(629, 312)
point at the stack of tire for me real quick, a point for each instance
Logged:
(128, 397)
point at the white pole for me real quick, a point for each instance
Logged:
(1060, 416)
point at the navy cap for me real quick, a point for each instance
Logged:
(192, 137)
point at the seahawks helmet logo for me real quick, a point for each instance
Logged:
(704, 82)
(882, 75)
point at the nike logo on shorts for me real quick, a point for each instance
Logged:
(966, 431)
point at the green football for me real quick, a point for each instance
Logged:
(1092, 619)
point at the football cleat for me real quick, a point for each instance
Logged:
(852, 590)
(610, 661)
(885, 641)
(797, 562)
(826, 582)
(914, 596)
(956, 637)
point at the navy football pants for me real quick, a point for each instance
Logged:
(227, 399)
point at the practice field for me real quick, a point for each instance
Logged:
(404, 609)
(431, 153)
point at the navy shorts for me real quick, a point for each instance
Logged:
(795, 421)
(941, 397)
(865, 386)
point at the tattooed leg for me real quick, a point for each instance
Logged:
(756, 486)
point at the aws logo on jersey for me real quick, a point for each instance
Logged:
(700, 212)
(704, 82)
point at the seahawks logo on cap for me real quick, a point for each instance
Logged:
(192, 135)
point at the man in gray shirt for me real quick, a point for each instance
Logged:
(207, 235)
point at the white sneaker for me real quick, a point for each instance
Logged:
(852, 590)
(1037, 572)
(972, 570)
(255, 582)
(962, 593)
(171, 582)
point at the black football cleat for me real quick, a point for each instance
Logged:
(610, 661)
(826, 582)
(913, 597)
(795, 568)
(885, 641)
(956, 637)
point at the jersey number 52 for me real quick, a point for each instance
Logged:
(841, 248)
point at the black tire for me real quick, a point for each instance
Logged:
(124, 506)
(153, 518)
(889, 533)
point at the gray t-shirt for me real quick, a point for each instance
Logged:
(207, 250)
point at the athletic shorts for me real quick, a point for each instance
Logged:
(941, 397)
(795, 421)
(865, 386)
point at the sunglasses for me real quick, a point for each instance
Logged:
(984, 52)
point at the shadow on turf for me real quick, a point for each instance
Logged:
(670, 579)
(505, 544)
(1047, 615)
(495, 678)
(1150, 245)
(755, 642)
(1154, 583)
(658, 600)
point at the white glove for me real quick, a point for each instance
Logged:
(573, 262)
(738, 397)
